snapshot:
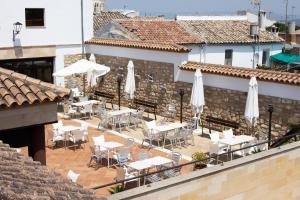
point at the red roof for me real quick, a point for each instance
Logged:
(167, 31)
(260, 74)
(18, 89)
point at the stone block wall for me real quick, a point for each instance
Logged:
(70, 59)
(221, 103)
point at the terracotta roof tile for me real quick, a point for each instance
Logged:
(23, 178)
(226, 31)
(167, 31)
(18, 89)
(139, 44)
(103, 18)
(263, 75)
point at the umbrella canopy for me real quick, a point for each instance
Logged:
(80, 67)
(252, 110)
(197, 98)
(83, 66)
(130, 80)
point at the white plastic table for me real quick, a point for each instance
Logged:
(110, 146)
(169, 127)
(120, 112)
(236, 140)
(83, 103)
(148, 163)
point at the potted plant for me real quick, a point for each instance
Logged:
(116, 189)
(199, 156)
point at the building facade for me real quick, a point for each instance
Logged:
(50, 31)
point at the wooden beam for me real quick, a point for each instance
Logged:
(28, 115)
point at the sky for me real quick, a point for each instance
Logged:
(170, 7)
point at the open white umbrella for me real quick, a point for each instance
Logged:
(81, 67)
(130, 80)
(197, 97)
(252, 109)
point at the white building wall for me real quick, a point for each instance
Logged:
(242, 54)
(142, 54)
(240, 84)
(62, 22)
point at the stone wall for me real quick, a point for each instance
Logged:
(272, 174)
(222, 103)
(78, 79)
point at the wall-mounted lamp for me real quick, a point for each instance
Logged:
(17, 29)
(150, 77)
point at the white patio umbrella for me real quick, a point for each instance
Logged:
(252, 109)
(92, 58)
(81, 67)
(130, 80)
(197, 97)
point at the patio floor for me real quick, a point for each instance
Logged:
(62, 160)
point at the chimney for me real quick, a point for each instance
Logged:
(253, 30)
(262, 20)
(274, 30)
(292, 27)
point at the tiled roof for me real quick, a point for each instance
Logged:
(102, 18)
(139, 44)
(167, 31)
(263, 75)
(22, 178)
(226, 31)
(18, 89)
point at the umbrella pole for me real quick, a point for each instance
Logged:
(83, 79)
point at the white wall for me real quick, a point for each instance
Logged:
(62, 22)
(142, 54)
(242, 54)
(240, 84)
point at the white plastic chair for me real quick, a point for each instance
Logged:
(84, 128)
(77, 137)
(73, 176)
(228, 134)
(87, 110)
(99, 140)
(214, 137)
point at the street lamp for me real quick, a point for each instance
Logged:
(17, 29)
(181, 93)
(119, 80)
(270, 110)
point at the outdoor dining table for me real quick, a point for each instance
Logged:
(84, 103)
(236, 140)
(115, 113)
(110, 145)
(68, 129)
(141, 165)
(169, 127)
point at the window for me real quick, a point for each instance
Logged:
(265, 56)
(34, 16)
(40, 68)
(228, 57)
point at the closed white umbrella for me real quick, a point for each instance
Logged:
(130, 80)
(252, 109)
(197, 97)
(92, 75)
(92, 58)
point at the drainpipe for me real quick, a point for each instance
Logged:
(82, 44)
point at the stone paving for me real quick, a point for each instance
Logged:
(64, 159)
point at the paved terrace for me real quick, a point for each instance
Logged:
(62, 160)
